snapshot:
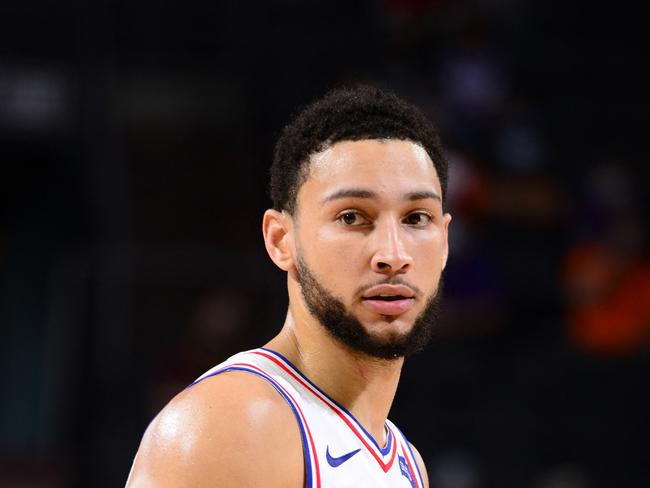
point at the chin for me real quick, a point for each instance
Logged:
(391, 325)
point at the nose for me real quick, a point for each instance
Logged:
(390, 255)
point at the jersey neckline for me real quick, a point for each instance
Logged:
(389, 434)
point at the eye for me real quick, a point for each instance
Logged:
(351, 218)
(418, 219)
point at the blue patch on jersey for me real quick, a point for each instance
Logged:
(405, 470)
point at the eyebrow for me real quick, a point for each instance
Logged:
(361, 193)
(423, 195)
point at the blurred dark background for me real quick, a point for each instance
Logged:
(135, 138)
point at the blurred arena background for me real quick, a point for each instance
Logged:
(135, 138)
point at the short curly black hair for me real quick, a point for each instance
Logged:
(347, 114)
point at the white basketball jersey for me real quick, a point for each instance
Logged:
(338, 451)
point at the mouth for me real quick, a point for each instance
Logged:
(388, 305)
(389, 299)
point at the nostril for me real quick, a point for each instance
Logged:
(383, 265)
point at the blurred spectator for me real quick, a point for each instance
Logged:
(474, 285)
(609, 300)
(607, 271)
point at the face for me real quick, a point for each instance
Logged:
(371, 240)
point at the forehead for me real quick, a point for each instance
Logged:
(388, 166)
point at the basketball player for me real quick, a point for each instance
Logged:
(358, 224)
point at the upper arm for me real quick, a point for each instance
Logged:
(423, 468)
(230, 430)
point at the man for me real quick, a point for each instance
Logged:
(358, 184)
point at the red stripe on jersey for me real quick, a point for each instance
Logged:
(384, 466)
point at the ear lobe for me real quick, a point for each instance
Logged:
(278, 238)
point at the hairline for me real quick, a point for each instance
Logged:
(304, 170)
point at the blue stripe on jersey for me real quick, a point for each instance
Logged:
(384, 451)
(415, 460)
(303, 434)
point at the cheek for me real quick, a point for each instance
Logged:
(337, 257)
(341, 254)
(430, 254)
(337, 244)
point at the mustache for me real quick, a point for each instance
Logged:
(396, 280)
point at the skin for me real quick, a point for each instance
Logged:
(369, 211)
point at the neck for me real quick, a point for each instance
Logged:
(364, 385)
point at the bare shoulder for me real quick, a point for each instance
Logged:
(232, 429)
(423, 468)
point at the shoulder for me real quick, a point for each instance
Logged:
(420, 461)
(230, 429)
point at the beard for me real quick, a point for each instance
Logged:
(347, 329)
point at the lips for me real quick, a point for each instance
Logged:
(388, 299)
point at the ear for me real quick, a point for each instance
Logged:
(278, 238)
(446, 219)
